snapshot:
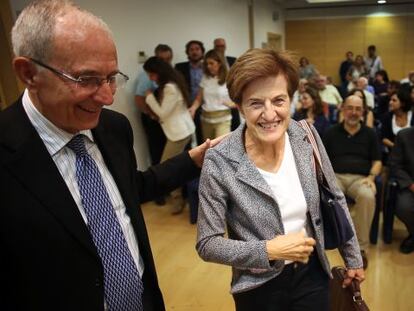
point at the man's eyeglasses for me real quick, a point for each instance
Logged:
(351, 108)
(89, 83)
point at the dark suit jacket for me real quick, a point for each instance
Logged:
(48, 260)
(230, 60)
(402, 158)
(184, 69)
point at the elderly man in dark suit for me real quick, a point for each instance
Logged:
(72, 233)
(220, 46)
(402, 169)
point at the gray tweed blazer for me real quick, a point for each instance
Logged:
(234, 196)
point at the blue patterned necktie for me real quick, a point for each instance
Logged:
(123, 285)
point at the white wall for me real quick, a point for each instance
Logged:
(264, 11)
(139, 25)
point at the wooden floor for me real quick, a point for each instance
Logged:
(188, 283)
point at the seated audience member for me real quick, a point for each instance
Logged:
(296, 104)
(409, 80)
(368, 116)
(306, 69)
(215, 110)
(330, 95)
(381, 83)
(354, 152)
(398, 118)
(362, 84)
(382, 106)
(402, 169)
(171, 107)
(312, 111)
(356, 71)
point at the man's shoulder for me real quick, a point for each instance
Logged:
(182, 65)
(9, 116)
(111, 118)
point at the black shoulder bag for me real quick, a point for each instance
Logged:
(337, 229)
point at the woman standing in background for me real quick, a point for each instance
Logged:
(171, 106)
(214, 97)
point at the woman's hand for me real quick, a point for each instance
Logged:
(293, 246)
(353, 274)
(148, 92)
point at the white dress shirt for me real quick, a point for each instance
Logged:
(55, 140)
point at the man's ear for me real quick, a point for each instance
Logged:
(25, 70)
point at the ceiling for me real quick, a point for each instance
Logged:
(304, 4)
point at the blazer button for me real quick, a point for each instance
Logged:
(318, 221)
(97, 282)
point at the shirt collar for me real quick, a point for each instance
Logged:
(53, 137)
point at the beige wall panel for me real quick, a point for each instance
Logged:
(308, 39)
(342, 35)
(409, 46)
(393, 36)
(388, 33)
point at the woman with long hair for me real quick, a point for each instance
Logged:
(213, 97)
(170, 104)
(398, 118)
(312, 110)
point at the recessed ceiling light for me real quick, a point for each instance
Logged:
(381, 1)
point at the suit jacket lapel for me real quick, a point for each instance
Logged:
(32, 165)
(302, 151)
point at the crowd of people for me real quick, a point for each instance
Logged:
(358, 120)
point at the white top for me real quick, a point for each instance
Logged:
(55, 141)
(373, 65)
(396, 128)
(214, 94)
(175, 119)
(369, 97)
(287, 189)
(330, 95)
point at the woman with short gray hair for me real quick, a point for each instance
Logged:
(260, 187)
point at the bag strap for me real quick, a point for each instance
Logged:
(316, 155)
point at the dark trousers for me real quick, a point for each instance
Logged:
(405, 209)
(155, 137)
(298, 287)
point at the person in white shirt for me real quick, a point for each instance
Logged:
(373, 62)
(214, 97)
(170, 104)
(362, 83)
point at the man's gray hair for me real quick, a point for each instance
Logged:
(33, 32)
